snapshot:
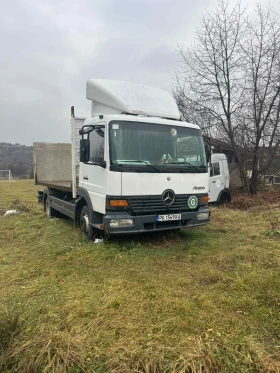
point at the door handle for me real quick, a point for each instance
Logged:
(213, 182)
(85, 177)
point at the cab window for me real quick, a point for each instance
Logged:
(96, 138)
(215, 169)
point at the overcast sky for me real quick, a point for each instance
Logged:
(48, 49)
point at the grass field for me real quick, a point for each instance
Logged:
(204, 300)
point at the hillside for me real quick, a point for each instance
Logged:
(17, 158)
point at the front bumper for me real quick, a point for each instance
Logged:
(148, 223)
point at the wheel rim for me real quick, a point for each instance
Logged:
(85, 223)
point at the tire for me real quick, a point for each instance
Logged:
(88, 230)
(51, 213)
(224, 199)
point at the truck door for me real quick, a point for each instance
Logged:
(216, 180)
(226, 173)
(93, 173)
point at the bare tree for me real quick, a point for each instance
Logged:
(211, 80)
(219, 77)
(261, 126)
(192, 115)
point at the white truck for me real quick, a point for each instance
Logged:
(133, 166)
(219, 193)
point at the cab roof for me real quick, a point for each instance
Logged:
(116, 97)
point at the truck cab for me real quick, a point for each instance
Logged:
(219, 180)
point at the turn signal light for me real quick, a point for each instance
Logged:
(118, 203)
(204, 199)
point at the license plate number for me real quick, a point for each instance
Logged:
(168, 217)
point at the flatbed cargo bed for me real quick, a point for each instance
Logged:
(53, 165)
(66, 186)
(57, 165)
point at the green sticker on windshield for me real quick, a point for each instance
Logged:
(193, 202)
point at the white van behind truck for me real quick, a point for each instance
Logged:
(219, 193)
(133, 166)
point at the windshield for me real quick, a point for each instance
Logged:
(156, 147)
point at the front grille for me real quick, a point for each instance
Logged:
(141, 205)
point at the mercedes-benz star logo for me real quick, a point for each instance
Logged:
(168, 197)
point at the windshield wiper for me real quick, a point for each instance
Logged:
(140, 161)
(190, 165)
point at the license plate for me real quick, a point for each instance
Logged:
(168, 217)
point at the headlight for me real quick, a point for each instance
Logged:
(203, 215)
(120, 223)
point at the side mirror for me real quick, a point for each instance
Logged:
(84, 150)
(208, 152)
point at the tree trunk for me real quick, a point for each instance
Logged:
(253, 188)
(243, 176)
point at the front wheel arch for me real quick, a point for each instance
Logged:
(223, 198)
(83, 198)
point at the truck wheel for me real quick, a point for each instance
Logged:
(224, 199)
(86, 228)
(51, 213)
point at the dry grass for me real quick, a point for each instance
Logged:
(263, 200)
(205, 300)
